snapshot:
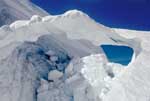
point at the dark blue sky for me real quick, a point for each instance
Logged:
(130, 14)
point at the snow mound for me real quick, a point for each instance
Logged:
(35, 19)
(74, 14)
(18, 24)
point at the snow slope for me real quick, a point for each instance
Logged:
(134, 83)
(51, 58)
(12, 10)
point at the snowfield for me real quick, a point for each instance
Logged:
(58, 58)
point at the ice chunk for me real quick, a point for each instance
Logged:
(69, 69)
(54, 75)
(44, 85)
(54, 58)
(51, 53)
(61, 66)
(35, 19)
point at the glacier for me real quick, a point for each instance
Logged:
(58, 58)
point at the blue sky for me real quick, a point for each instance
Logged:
(121, 54)
(130, 14)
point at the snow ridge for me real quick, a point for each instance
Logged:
(36, 18)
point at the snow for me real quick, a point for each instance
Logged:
(51, 53)
(100, 73)
(83, 84)
(18, 23)
(135, 83)
(12, 10)
(58, 58)
(74, 14)
(54, 58)
(35, 19)
(54, 75)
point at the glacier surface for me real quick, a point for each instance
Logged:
(58, 58)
